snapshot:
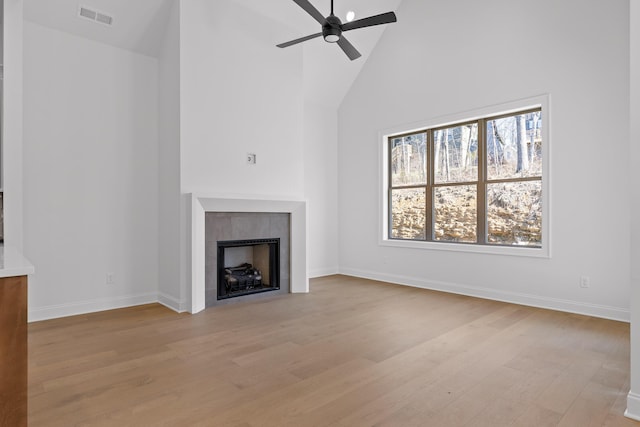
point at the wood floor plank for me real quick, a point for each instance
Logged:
(352, 352)
(536, 416)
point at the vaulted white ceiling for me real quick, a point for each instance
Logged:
(139, 25)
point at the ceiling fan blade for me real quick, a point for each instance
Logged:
(311, 10)
(383, 18)
(348, 48)
(300, 40)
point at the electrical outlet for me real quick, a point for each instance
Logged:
(111, 278)
(251, 159)
(585, 281)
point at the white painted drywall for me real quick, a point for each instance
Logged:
(448, 57)
(169, 164)
(633, 400)
(321, 187)
(12, 124)
(90, 174)
(239, 95)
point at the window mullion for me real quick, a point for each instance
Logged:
(429, 188)
(482, 184)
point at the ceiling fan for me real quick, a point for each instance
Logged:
(332, 27)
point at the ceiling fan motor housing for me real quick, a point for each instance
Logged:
(331, 29)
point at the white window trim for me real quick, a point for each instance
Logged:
(543, 102)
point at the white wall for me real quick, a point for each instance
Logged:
(321, 187)
(90, 174)
(12, 125)
(633, 401)
(448, 57)
(238, 94)
(169, 164)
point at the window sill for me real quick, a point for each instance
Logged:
(542, 252)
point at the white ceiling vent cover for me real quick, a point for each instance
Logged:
(94, 15)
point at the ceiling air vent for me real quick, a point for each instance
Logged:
(93, 15)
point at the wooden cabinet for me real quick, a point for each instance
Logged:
(13, 351)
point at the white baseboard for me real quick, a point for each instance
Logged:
(606, 312)
(82, 307)
(633, 406)
(320, 272)
(172, 303)
(602, 311)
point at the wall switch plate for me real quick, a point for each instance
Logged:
(585, 281)
(251, 159)
(111, 278)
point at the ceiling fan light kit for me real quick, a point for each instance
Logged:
(332, 27)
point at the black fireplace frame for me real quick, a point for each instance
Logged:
(273, 283)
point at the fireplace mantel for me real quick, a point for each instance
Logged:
(201, 203)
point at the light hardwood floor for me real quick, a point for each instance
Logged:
(353, 352)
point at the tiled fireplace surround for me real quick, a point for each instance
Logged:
(217, 212)
(223, 226)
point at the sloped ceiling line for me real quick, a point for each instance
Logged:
(139, 27)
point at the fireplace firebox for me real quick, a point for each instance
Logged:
(248, 267)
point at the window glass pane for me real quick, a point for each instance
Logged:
(514, 146)
(408, 158)
(408, 214)
(514, 213)
(455, 211)
(455, 154)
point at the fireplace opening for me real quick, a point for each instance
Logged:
(248, 267)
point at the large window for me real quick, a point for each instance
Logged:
(476, 182)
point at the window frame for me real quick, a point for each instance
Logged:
(480, 116)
